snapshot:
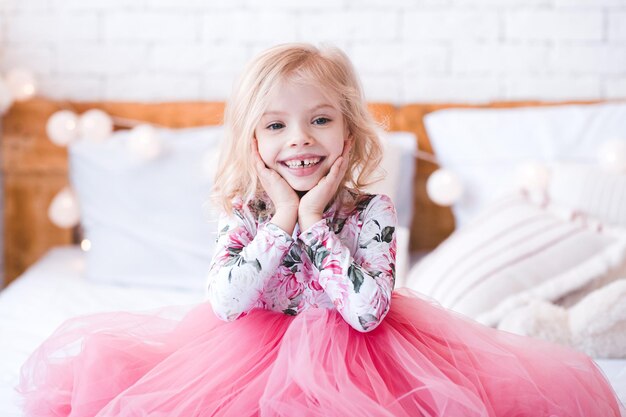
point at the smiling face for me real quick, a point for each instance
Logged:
(301, 134)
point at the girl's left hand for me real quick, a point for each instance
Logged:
(313, 203)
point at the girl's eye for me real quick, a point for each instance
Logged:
(321, 121)
(275, 126)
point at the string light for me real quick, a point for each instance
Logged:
(63, 210)
(533, 176)
(444, 187)
(85, 245)
(95, 125)
(18, 85)
(62, 127)
(612, 156)
(21, 84)
(144, 142)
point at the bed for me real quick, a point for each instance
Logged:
(46, 271)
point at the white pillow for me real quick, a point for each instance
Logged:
(398, 166)
(590, 190)
(513, 252)
(145, 219)
(483, 146)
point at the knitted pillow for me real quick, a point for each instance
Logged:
(515, 251)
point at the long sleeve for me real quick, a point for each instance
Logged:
(242, 263)
(359, 284)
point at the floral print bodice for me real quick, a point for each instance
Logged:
(345, 261)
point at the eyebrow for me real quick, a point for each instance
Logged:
(319, 106)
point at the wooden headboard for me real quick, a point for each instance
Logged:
(35, 170)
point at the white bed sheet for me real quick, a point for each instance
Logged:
(49, 292)
(54, 289)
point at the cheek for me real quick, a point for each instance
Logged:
(337, 149)
(268, 154)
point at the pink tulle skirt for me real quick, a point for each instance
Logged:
(422, 360)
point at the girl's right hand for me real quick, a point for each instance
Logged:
(279, 191)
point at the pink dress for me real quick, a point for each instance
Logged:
(307, 325)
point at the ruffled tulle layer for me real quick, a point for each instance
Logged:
(421, 361)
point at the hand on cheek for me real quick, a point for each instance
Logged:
(313, 203)
(279, 191)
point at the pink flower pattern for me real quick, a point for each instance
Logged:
(345, 261)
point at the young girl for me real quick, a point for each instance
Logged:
(301, 318)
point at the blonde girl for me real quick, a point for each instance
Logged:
(302, 318)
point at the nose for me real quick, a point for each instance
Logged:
(300, 136)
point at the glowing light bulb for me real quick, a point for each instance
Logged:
(63, 210)
(95, 125)
(144, 142)
(85, 245)
(444, 187)
(533, 176)
(62, 127)
(612, 155)
(21, 83)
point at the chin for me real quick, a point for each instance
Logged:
(301, 188)
(303, 185)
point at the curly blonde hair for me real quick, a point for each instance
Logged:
(328, 67)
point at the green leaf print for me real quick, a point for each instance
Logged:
(221, 233)
(294, 302)
(233, 252)
(236, 260)
(362, 205)
(320, 255)
(240, 261)
(292, 259)
(356, 276)
(337, 225)
(310, 252)
(387, 234)
(317, 253)
(366, 320)
(257, 265)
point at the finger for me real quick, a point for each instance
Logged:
(255, 149)
(336, 165)
(347, 147)
(335, 169)
(259, 165)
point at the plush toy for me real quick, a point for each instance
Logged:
(595, 325)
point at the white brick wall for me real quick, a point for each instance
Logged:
(405, 50)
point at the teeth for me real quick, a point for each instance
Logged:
(303, 163)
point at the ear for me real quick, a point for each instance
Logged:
(346, 129)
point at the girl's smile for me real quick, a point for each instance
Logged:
(303, 165)
(301, 134)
